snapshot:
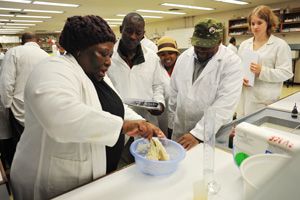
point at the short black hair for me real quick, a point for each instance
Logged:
(232, 40)
(81, 32)
(29, 36)
(131, 15)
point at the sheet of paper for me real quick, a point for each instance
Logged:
(142, 103)
(249, 57)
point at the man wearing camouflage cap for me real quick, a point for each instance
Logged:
(205, 75)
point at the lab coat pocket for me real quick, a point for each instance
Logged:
(66, 174)
(265, 93)
(143, 82)
(207, 95)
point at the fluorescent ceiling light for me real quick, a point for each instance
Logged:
(111, 25)
(234, 2)
(57, 31)
(152, 16)
(122, 15)
(14, 27)
(43, 11)
(5, 15)
(17, 1)
(11, 9)
(10, 32)
(113, 19)
(20, 20)
(31, 16)
(4, 20)
(2, 23)
(163, 12)
(55, 4)
(114, 23)
(186, 6)
(13, 24)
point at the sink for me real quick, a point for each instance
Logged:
(277, 123)
(266, 117)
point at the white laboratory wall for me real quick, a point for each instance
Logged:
(172, 26)
(189, 22)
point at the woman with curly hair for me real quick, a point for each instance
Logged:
(75, 120)
(274, 65)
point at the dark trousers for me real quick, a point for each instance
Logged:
(127, 157)
(16, 131)
(7, 151)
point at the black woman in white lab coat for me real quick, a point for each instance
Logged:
(75, 121)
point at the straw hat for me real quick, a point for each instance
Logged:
(167, 43)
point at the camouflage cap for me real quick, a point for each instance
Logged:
(207, 33)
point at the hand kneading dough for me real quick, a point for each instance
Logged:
(157, 151)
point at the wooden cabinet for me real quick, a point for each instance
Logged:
(288, 23)
(46, 46)
(6, 46)
(238, 27)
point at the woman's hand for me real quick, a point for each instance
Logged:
(245, 82)
(138, 128)
(255, 68)
(156, 131)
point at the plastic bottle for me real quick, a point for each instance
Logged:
(230, 143)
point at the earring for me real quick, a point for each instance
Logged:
(78, 53)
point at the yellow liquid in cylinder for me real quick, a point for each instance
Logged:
(200, 190)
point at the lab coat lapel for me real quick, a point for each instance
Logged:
(190, 70)
(88, 88)
(212, 64)
(91, 97)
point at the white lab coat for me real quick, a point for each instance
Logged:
(163, 118)
(232, 48)
(148, 43)
(276, 61)
(142, 81)
(17, 65)
(219, 85)
(66, 131)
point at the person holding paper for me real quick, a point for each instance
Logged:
(205, 75)
(273, 67)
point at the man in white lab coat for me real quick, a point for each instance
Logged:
(148, 43)
(135, 71)
(205, 75)
(231, 45)
(16, 67)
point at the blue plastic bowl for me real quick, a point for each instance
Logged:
(139, 149)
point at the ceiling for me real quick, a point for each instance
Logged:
(109, 8)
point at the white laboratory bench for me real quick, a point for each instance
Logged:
(131, 184)
(287, 103)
